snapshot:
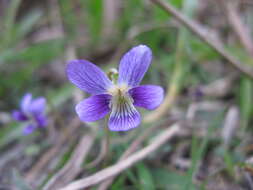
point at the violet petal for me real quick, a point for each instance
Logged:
(29, 129)
(88, 77)
(93, 108)
(19, 116)
(134, 65)
(41, 120)
(38, 105)
(147, 96)
(26, 102)
(124, 118)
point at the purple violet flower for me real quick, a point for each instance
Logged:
(32, 112)
(117, 97)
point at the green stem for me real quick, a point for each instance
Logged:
(107, 139)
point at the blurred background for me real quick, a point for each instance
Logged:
(211, 100)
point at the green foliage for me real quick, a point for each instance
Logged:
(246, 100)
(135, 7)
(69, 19)
(20, 63)
(160, 15)
(94, 19)
(15, 32)
(9, 22)
(165, 179)
(145, 177)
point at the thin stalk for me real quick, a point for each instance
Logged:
(107, 141)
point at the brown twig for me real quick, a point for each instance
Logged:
(131, 149)
(110, 15)
(126, 163)
(219, 88)
(73, 167)
(240, 28)
(101, 155)
(197, 30)
(36, 170)
(231, 124)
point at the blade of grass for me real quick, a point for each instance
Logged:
(9, 21)
(245, 98)
(198, 151)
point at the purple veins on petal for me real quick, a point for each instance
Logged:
(124, 115)
(29, 129)
(124, 122)
(134, 65)
(19, 116)
(94, 107)
(147, 96)
(88, 77)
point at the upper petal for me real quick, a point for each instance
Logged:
(147, 96)
(26, 102)
(134, 65)
(124, 116)
(94, 107)
(87, 77)
(38, 105)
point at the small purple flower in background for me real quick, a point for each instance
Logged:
(31, 111)
(117, 97)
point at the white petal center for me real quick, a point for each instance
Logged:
(121, 103)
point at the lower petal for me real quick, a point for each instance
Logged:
(41, 120)
(93, 108)
(124, 117)
(29, 129)
(147, 96)
(19, 116)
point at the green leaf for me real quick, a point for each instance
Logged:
(27, 23)
(197, 151)
(9, 21)
(145, 177)
(119, 182)
(42, 52)
(95, 11)
(10, 133)
(246, 100)
(69, 17)
(6, 55)
(165, 179)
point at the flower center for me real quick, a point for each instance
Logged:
(118, 90)
(121, 103)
